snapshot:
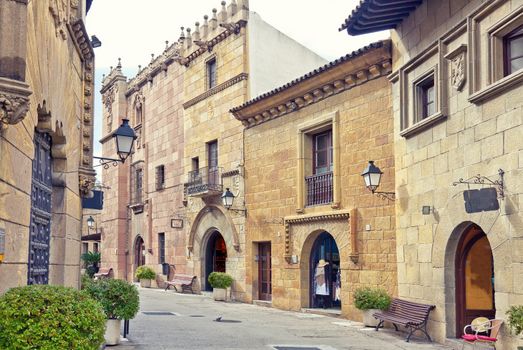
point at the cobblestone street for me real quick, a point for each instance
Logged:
(192, 325)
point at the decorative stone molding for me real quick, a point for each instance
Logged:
(458, 67)
(59, 9)
(316, 95)
(216, 89)
(307, 219)
(108, 99)
(231, 173)
(14, 101)
(86, 183)
(59, 141)
(81, 40)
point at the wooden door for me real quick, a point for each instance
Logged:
(264, 271)
(474, 279)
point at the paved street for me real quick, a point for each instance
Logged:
(192, 326)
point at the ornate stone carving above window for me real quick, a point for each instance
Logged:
(14, 101)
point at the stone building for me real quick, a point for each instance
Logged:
(164, 204)
(46, 86)
(306, 145)
(458, 109)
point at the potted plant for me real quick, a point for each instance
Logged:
(50, 317)
(371, 300)
(120, 301)
(91, 261)
(220, 282)
(145, 274)
(515, 319)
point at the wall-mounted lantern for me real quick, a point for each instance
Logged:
(124, 138)
(228, 200)
(372, 176)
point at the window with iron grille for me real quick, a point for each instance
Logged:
(212, 162)
(211, 73)
(138, 185)
(320, 184)
(161, 247)
(160, 177)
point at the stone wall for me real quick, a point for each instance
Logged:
(55, 65)
(359, 112)
(477, 130)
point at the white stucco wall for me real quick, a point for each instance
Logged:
(275, 58)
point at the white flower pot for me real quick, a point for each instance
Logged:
(219, 294)
(145, 283)
(112, 332)
(368, 319)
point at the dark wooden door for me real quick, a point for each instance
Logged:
(40, 226)
(264, 271)
(474, 279)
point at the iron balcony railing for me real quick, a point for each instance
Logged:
(319, 189)
(204, 181)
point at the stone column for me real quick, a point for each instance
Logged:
(14, 92)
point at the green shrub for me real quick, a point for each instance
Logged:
(91, 261)
(49, 318)
(371, 298)
(145, 273)
(220, 280)
(86, 279)
(119, 298)
(515, 318)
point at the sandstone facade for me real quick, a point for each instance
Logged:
(351, 99)
(474, 132)
(183, 110)
(46, 99)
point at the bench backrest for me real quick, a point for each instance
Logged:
(412, 311)
(185, 278)
(104, 272)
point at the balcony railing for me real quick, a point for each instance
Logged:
(319, 189)
(204, 182)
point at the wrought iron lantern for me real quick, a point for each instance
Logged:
(372, 177)
(228, 200)
(90, 222)
(124, 138)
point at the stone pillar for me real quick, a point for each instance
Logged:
(14, 92)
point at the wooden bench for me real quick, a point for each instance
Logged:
(412, 315)
(104, 272)
(185, 281)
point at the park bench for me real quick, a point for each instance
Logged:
(413, 316)
(104, 272)
(185, 281)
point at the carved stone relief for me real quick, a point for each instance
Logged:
(458, 67)
(13, 108)
(59, 9)
(108, 100)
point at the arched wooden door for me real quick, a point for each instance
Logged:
(139, 252)
(474, 278)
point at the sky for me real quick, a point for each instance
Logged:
(135, 29)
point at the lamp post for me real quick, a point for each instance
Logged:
(124, 138)
(228, 200)
(372, 177)
(90, 223)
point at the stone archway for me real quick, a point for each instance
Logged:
(215, 253)
(139, 252)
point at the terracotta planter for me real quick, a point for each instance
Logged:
(145, 283)
(112, 332)
(219, 294)
(368, 319)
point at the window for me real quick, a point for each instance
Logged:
(85, 247)
(139, 114)
(513, 51)
(212, 161)
(211, 73)
(160, 177)
(195, 163)
(426, 99)
(138, 185)
(322, 152)
(96, 248)
(161, 247)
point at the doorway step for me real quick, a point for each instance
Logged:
(459, 344)
(323, 312)
(265, 303)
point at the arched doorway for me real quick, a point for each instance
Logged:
(139, 252)
(474, 278)
(325, 259)
(215, 256)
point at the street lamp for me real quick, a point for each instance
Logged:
(90, 223)
(124, 138)
(372, 177)
(228, 199)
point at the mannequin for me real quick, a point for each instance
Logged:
(322, 283)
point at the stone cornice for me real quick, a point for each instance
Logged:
(81, 40)
(320, 92)
(215, 90)
(338, 215)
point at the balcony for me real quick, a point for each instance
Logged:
(204, 182)
(319, 189)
